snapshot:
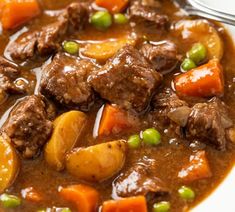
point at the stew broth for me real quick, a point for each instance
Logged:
(170, 156)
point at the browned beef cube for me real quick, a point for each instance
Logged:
(11, 81)
(208, 122)
(140, 11)
(24, 46)
(78, 14)
(205, 122)
(166, 104)
(127, 80)
(141, 179)
(47, 40)
(41, 42)
(65, 80)
(28, 125)
(163, 55)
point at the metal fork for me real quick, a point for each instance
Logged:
(201, 4)
(193, 7)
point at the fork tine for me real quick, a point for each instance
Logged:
(195, 12)
(193, 8)
(208, 10)
(197, 3)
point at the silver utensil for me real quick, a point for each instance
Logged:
(200, 3)
(194, 7)
(202, 6)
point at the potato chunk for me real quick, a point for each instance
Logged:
(106, 49)
(9, 163)
(201, 31)
(67, 129)
(97, 163)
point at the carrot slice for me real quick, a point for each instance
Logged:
(198, 168)
(113, 120)
(113, 6)
(84, 197)
(106, 49)
(204, 81)
(16, 12)
(126, 205)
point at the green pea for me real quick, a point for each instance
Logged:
(151, 136)
(71, 47)
(186, 193)
(120, 18)
(188, 64)
(197, 53)
(101, 20)
(134, 142)
(10, 201)
(161, 206)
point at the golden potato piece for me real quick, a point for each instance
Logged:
(106, 49)
(67, 129)
(201, 31)
(97, 163)
(9, 163)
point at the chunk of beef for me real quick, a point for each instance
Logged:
(28, 125)
(65, 80)
(51, 35)
(141, 179)
(24, 46)
(10, 78)
(41, 42)
(47, 40)
(78, 14)
(209, 122)
(206, 122)
(149, 14)
(162, 55)
(127, 80)
(166, 104)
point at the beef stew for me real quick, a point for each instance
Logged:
(112, 106)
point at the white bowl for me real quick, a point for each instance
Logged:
(223, 197)
(225, 5)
